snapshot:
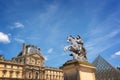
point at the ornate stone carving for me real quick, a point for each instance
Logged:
(76, 48)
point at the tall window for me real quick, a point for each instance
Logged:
(24, 60)
(11, 66)
(36, 75)
(17, 74)
(11, 73)
(5, 66)
(4, 72)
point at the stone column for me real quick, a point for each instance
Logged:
(78, 70)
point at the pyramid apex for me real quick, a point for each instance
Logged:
(100, 63)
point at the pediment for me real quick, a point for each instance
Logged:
(36, 55)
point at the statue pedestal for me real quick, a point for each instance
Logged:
(78, 70)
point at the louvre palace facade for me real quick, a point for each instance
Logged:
(28, 65)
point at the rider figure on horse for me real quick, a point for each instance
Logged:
(77, 50)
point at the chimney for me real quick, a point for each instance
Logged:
(24, 49)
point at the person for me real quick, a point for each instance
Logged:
(81, 50)
(79, 40)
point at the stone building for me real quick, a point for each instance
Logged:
(28, 65)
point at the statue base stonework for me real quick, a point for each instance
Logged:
(78, 70)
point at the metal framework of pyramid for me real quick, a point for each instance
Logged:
(104, 70)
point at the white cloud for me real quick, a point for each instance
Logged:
(46, 58)
(114, 33)
(115, 54)
(19, 40)
(98, 43)
(50, 50)
(49, 13)
(4, 38)
(17, 25)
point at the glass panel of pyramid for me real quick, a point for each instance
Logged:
(104, 70)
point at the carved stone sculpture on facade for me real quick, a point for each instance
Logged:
(76, 48)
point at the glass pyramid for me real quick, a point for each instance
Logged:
(104, 70)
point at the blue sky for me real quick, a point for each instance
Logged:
(47, 23)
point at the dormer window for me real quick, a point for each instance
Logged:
(31, 50)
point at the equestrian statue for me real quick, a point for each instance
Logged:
(76, 48)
